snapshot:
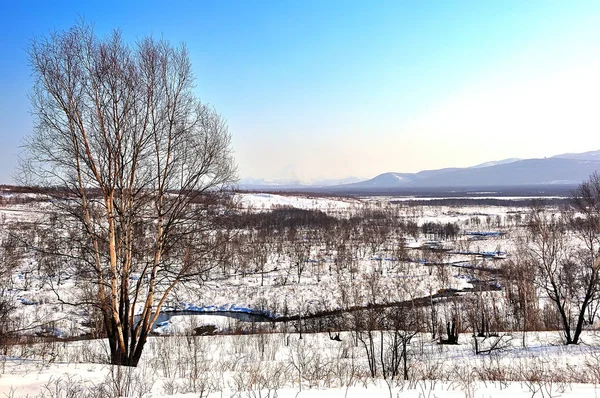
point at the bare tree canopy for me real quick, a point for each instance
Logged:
(564, 250)
(135, 154)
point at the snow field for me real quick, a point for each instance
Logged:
(282, 364)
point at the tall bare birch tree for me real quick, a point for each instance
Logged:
(133, 154)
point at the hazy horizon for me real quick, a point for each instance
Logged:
(335, 89)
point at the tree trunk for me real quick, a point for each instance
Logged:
(405, 359)
(126, 358)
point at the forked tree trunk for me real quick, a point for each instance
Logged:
(130, 356)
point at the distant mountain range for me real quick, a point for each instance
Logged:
(565, 169)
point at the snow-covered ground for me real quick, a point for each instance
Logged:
(277, 362)
(269, 201)
(284, 366)
(276, 291)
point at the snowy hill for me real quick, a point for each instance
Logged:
(567, 169)
(564, 169)
(591, 155)
(495, 163)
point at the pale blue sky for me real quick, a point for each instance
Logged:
(329, 89)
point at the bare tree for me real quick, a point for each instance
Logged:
(585, 222)
(8, 260)
(137, 161)
(568, 264)
(548, 255)
(520, 293)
